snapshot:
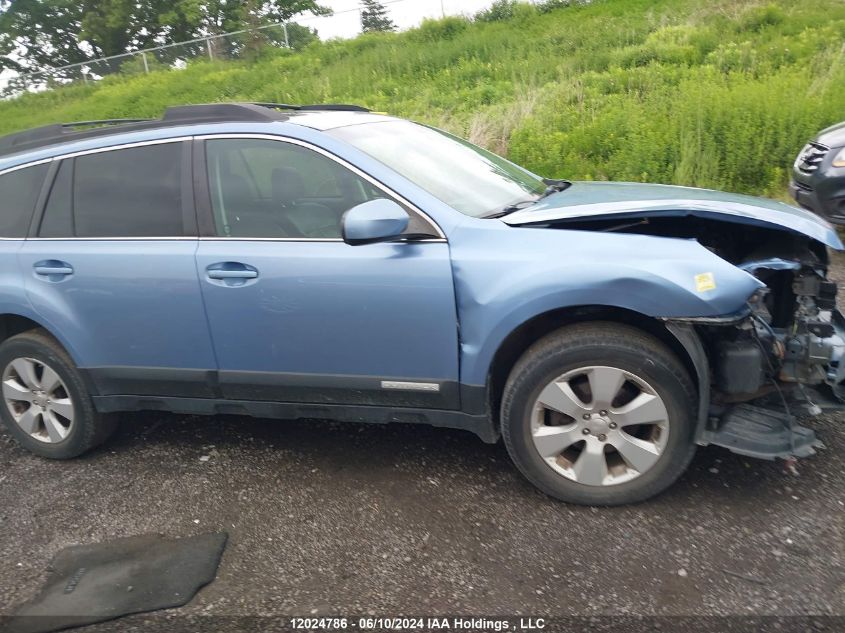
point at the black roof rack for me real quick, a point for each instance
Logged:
(337, 107)
(175, 115)
(103, 122)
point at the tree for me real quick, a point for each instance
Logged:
(213, 17)
(192, 19)
(374, 17)
(41, 34)
(35, 34)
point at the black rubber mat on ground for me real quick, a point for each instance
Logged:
(94, 583)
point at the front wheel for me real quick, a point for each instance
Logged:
(599, 414)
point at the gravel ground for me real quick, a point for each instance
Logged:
(327, 518)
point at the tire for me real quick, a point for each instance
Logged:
(50, 414)
(651, 417)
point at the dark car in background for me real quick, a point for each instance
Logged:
(818, 175)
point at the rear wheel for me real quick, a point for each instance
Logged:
(599, 414)
(46, 406)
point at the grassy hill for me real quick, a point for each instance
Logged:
(718, 94)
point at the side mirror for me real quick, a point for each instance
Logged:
(374, 221)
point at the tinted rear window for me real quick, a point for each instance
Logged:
(58, 219)
(18, 193)
(134, 192)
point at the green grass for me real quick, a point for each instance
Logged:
(718, 94)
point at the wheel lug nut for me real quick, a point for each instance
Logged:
(603, 412)
(602, 437)
(586, 416)
(612, 425)
(586, 431)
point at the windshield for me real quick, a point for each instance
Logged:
(467, 178)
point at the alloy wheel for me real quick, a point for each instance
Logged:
(38, 400)
(599, 426)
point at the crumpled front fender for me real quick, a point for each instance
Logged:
(513, 275)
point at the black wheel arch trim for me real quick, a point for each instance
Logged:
(680, 335)
(689, 339)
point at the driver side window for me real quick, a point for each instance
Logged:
(272, 189)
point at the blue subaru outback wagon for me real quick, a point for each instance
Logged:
(328, 262)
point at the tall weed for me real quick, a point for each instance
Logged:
(716, 94)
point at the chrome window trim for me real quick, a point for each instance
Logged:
(9, 170)
(96, 150)
(355, 170)
(194, 238)
(117, 238)
(180, 139)
(438, 240)
(115, 148)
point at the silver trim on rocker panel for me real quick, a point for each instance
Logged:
(410, 386)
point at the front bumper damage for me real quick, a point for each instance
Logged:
(766, 426)
(763, 432)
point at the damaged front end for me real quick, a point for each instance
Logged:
(780, 356)
(776, 358)
(781, 360)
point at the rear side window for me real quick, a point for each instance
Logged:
(19, 191)
(134, 192)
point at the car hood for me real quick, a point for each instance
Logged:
(610, 200)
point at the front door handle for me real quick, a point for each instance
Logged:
(52, 269)
(231, 273)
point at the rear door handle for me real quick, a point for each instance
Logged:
(52, 269)
(231, 273)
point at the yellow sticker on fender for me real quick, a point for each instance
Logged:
(705, 282)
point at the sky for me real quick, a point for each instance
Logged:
(405, 14)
